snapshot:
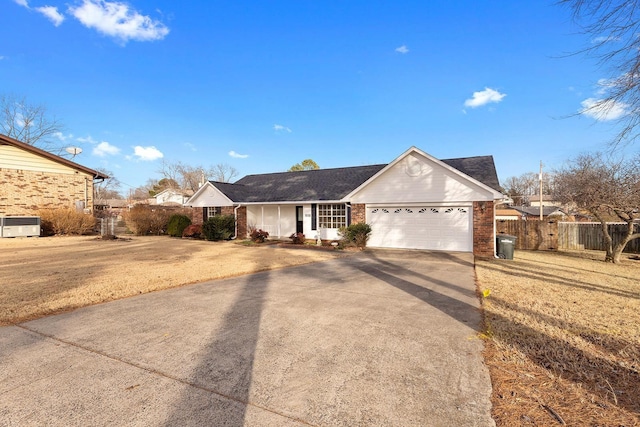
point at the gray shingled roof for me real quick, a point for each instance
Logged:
(480, 168)
(333, 184)
(319, 184)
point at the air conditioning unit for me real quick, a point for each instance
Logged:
(19, 226)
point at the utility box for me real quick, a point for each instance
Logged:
(506, 245)
(19, 226)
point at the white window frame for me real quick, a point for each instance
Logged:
(332, 215)
(213, 211)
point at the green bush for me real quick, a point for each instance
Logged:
(355, 235)
(144, 219)
(176, 225)
(219, 227)
(65, 221)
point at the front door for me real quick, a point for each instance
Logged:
(299, 219)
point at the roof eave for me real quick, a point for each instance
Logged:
(40, 152)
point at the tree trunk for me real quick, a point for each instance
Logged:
(610, 256)
(617, 249)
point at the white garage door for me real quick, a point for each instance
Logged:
(443, 228)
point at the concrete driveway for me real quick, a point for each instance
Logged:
(380, 338)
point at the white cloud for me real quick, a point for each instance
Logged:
(484, 97)
(147, 153)
(117, 20)
(104, 149)
(87, 140)
(238, 156)
(603, 110)
(52, 14)
(280, 128)
(62, 137)
(402, 49)
(22, 3)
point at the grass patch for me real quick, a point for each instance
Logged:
(563, 339)
(50, 275)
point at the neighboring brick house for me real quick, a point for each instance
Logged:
(33, 179)
(414, 202)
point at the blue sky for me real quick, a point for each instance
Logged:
(264, 85)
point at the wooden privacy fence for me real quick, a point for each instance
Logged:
(534, 234)
(588, 235)
(530, 234)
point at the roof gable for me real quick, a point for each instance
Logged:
(477, 172)
(209, 195)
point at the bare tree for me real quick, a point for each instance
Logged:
(526, 187)
(305, 165)
(109, 188)
(144, 191)
(609, 189)
(613, 27)
(30, 124)
(222, 172)
(191, 177)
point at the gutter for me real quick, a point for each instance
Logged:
(235, 215)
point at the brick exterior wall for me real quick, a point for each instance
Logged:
(24, 192)
(358, 213)
(483, 235)
(197, 214)
(241, 221)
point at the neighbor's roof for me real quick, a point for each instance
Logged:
(6, 140)
(333, 184)
(535, 210)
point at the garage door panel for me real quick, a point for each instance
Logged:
(433, 228)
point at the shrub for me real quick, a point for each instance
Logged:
(177, 224)
(143, 220)
(194, 230)
(65, 221)
(355, 235)
(219, 227)
(259, 236)
(297, 238)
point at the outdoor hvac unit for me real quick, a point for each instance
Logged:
(19, 226)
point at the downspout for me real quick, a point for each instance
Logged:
(495, 236)
(235, 214)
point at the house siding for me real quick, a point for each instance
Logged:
(483, 229)
(14, 158)
(417, 179)
(24, 192)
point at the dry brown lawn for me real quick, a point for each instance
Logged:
(563, 339)
(42, 276)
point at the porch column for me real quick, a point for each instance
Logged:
(279, 231)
